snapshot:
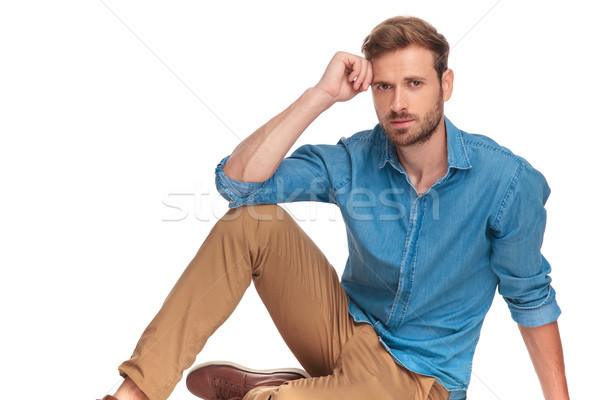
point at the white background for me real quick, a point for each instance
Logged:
(110, 110)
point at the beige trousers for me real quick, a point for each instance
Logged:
(301, 290)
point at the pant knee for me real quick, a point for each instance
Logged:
(264, 216)
(263, 212)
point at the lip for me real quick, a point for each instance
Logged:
(401, 123)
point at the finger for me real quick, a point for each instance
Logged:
(369, 78)
(359, 84)
(353, 64)
(359, 75)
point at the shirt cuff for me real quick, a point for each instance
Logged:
(236, 192)
(531, 316)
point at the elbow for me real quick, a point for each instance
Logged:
(241, 172)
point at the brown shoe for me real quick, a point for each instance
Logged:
(221, 380)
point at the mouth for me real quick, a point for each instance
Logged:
(401, 123)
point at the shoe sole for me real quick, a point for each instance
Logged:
(255, 371)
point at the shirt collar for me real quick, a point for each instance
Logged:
(457, 152)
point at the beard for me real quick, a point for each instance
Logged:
(422, 129)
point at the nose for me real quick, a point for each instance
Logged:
(399, 101)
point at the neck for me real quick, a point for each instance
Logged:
(425, 162)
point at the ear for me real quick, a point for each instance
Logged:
(447, 84)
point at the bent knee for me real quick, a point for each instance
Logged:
(251, 219)
(265, 212)
(255, 213)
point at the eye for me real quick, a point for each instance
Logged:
(383, 86)
(415, 84)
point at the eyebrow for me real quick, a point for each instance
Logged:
(407, 79)
(415, 78)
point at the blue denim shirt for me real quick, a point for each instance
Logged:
(423, 269)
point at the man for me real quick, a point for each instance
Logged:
(437, 219)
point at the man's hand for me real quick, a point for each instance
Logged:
(345, 76)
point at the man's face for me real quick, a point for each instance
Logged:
(408, 96)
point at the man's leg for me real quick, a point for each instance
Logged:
(260, 243)
(306, 301)
(297, 284)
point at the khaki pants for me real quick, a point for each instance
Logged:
(301, 290)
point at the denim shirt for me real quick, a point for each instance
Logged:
(423, 269)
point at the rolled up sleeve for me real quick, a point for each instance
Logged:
(309, 174)
(518, 231)
(233, 191)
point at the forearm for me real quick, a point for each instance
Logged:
(259, 155)
(545, 349)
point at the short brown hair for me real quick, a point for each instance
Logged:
(401, 32)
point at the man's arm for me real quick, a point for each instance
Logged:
(545, 349)
(259, 155)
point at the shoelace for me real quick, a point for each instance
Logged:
(227, 391)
